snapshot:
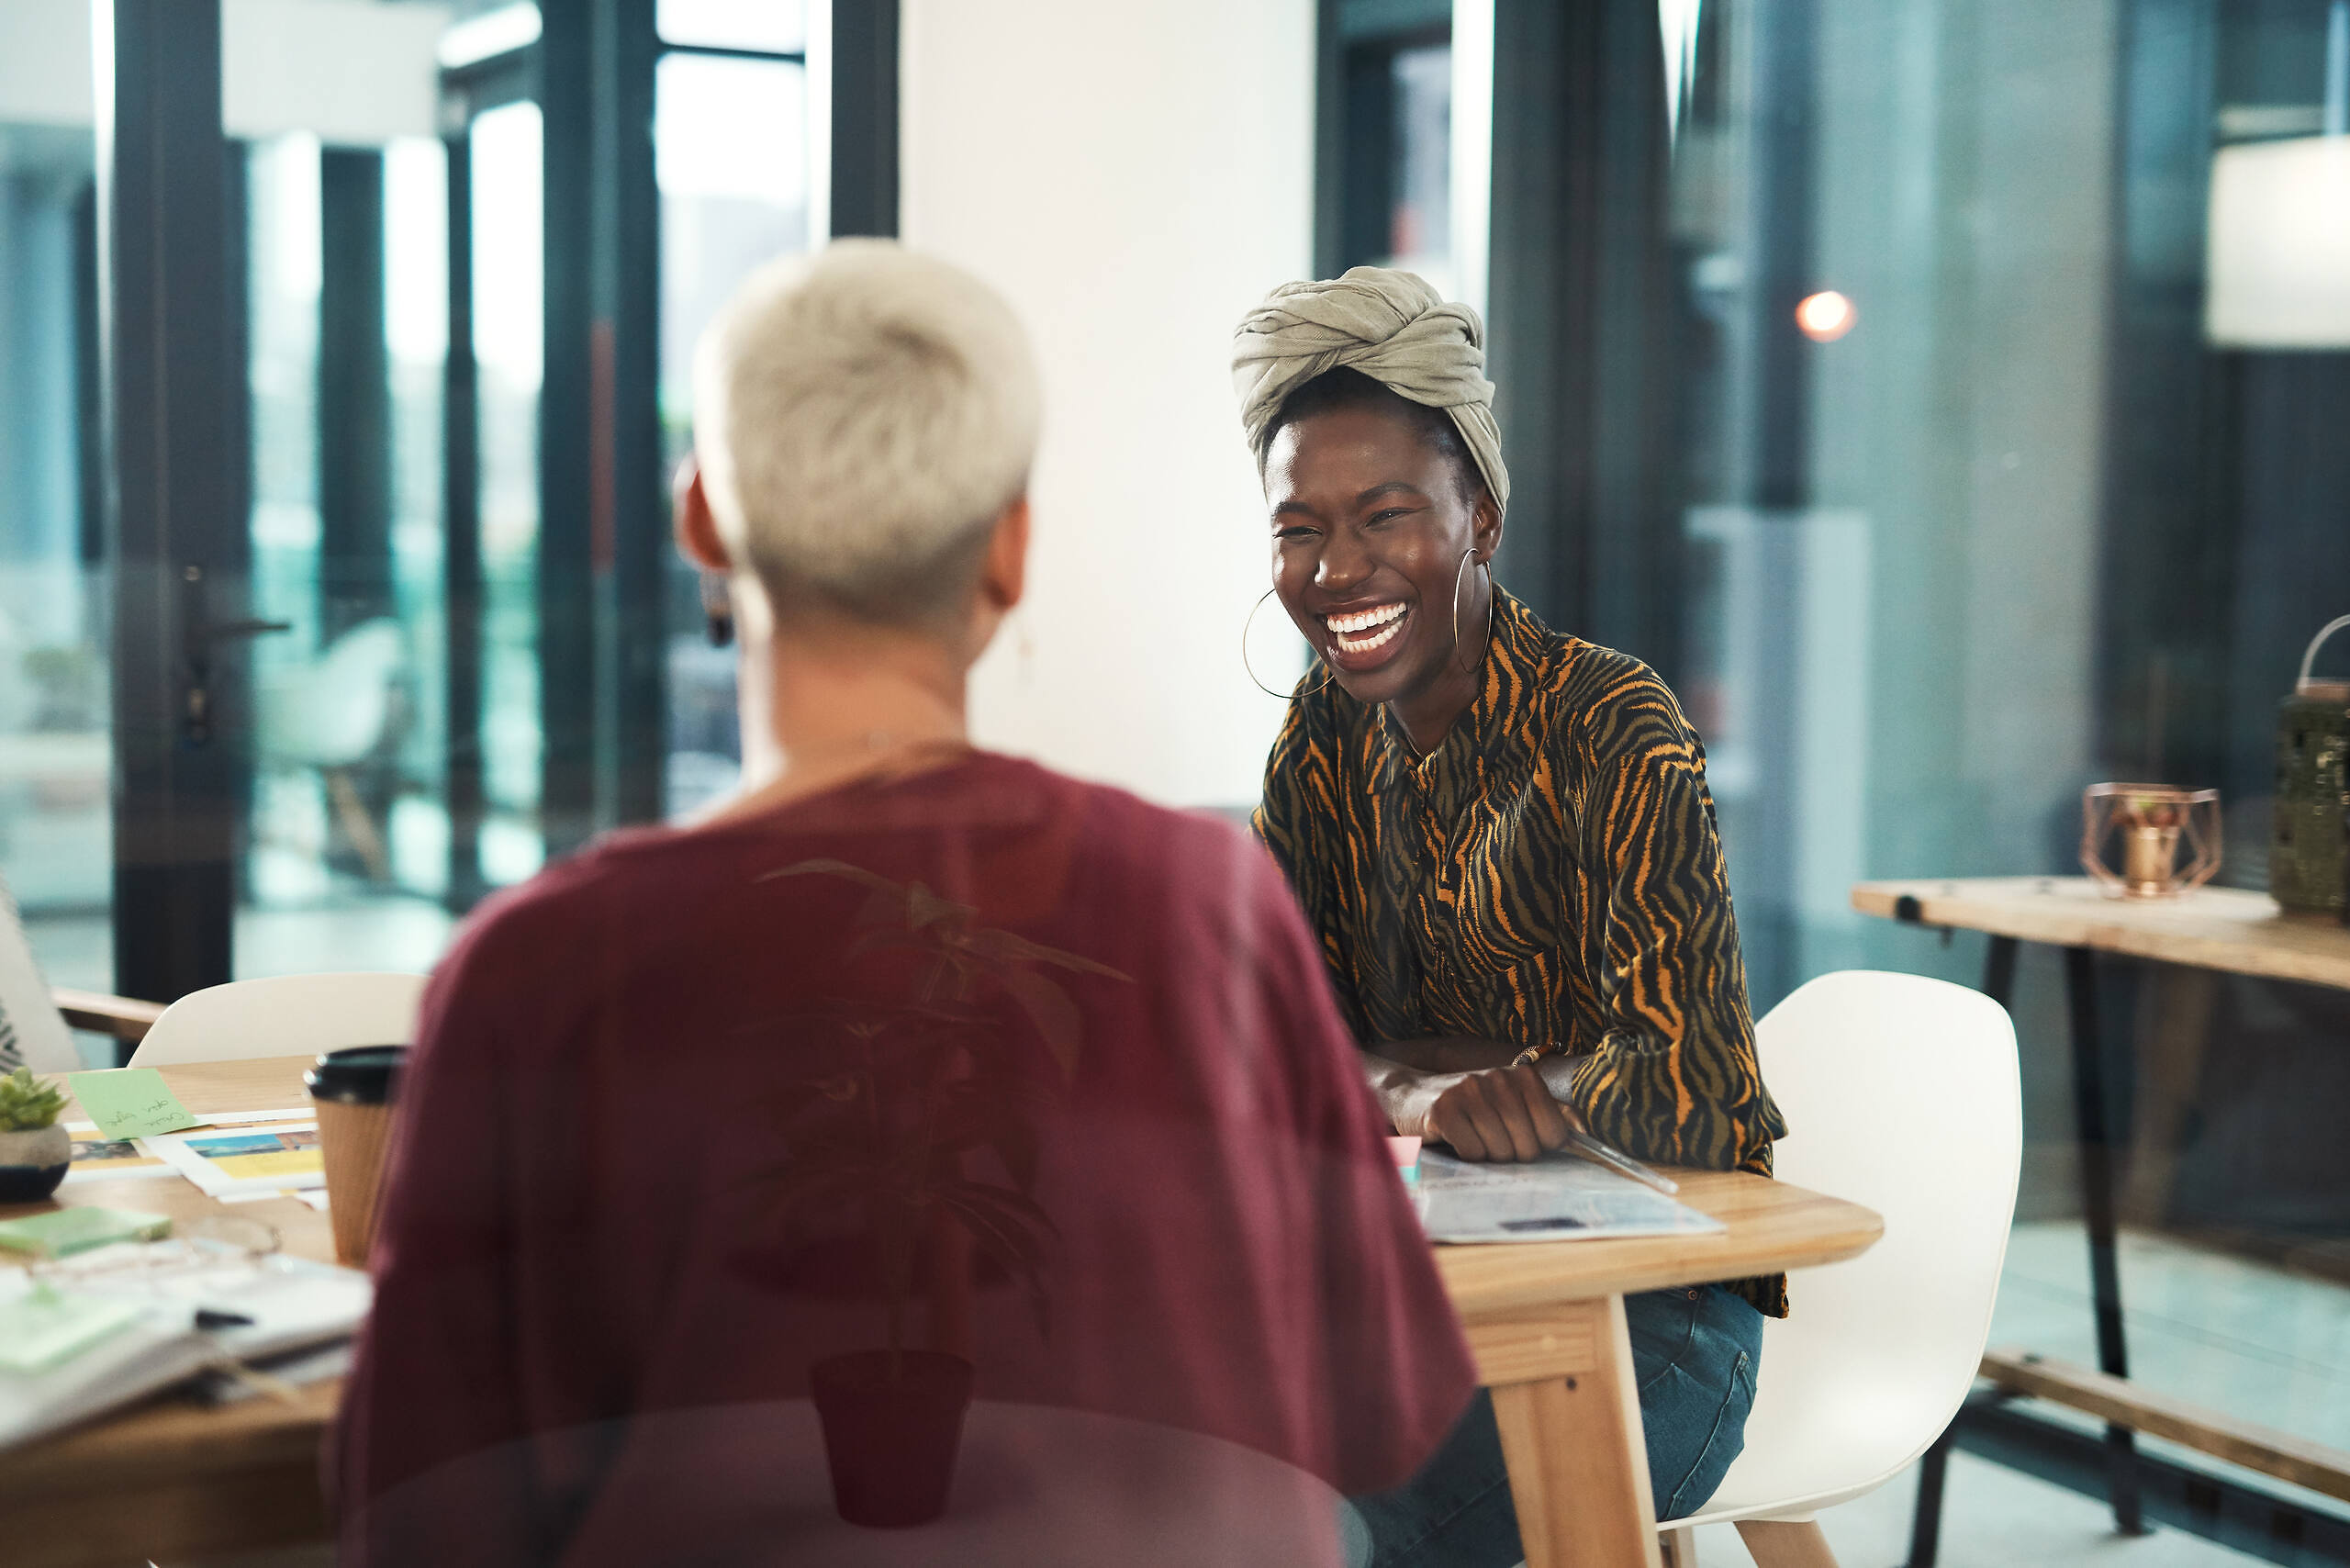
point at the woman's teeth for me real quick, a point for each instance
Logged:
(1366, 630)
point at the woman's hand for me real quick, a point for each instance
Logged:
(1499, 1112)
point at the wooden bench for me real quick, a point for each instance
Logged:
(2304, 1463)
(120, 1017)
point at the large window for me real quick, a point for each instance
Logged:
(1945, 396)
(508, 150)
(444, 464)
(731, 151)
(56, 849)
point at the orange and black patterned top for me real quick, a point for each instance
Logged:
(1549, 876)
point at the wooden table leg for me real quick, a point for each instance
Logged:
(1570, 1417)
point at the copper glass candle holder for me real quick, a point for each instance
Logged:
(2167, 838)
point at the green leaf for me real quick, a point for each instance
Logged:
(1005, 1226)
(26, 1104)
(827, 868)
(924, 908)
(1056, 1017)
(1002, 947)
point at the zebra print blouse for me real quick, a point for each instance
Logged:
(1549, 876)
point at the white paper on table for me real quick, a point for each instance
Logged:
(178, 1151)
(97, 1171)
(1558, 1199)
(288, 1303)
(137, 1171)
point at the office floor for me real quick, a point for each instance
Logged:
(1993, 1518)
(2246, 1339)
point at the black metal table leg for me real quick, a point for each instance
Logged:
(1925, 1523)
(2096, 1194)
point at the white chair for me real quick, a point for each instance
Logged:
(330, 713)
(1900, 1092)
(284, 1015)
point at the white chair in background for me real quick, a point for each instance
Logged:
(330, 713)
(1901, 1093)
(284, 1015)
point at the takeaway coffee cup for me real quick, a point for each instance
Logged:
(352, 1090)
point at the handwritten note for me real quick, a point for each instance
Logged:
(131, 1101)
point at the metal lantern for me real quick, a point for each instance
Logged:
(2169, 838)
(2309, 852)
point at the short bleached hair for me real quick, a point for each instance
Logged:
(862, 417)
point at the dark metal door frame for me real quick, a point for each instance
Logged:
(174, 532)
(604, 528)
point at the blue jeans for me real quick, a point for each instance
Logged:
(1694, 1355)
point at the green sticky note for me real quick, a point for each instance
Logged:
(131, 1101)
(60, 1232)
(45, 1328)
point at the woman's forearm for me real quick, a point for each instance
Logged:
(1492, 1112)
(1445, 1053)
(1394, 1085)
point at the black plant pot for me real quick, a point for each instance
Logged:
(891, 1445)
(33, 1162)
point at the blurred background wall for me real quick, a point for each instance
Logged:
(1134, 177)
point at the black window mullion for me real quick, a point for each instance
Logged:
(178, 553)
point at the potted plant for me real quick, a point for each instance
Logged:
(34, 1151)
(894, 1092)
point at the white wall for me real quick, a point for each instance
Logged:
(1135, 176)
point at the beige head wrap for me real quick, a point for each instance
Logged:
(1389, 325)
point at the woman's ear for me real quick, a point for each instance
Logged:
(696, 528)
(1003, 574)
(1485, 526)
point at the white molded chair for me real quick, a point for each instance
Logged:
(284, 1015)
(1901, 1093)
(330, 713)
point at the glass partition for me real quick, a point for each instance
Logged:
(346, 849)
(730, 147)
(56, 844)
(1995, 475)
(508, 311)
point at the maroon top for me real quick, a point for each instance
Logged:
(576, 1235)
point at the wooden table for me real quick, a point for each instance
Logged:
(2203, 933)
(1545, 1322)
(170, 1480)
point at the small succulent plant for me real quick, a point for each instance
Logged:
(27, 1105)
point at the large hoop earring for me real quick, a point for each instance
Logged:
(1284, 696)
(717, 609)
(1457, 571)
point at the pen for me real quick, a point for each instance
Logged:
(1616, 1160)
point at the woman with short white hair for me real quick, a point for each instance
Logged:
(908, 1046)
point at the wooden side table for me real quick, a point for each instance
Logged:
(2207, 932)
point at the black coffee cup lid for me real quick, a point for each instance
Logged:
(356, 1075)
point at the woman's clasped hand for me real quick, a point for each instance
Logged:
(1483, 1113)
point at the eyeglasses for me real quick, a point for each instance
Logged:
(201, 1254)
(203, 1266)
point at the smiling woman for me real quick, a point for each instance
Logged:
(1503, 837)
(1376, 543)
